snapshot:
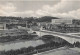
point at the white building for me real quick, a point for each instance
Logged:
(2, 26)
(59, 21)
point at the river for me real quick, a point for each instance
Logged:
(18, 45)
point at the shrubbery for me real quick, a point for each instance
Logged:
(13, 38)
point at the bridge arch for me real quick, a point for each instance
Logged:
(67, 38)
(54, 38)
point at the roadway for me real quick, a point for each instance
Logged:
(61, 34)
(69, 38)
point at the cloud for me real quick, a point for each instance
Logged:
(65, 8)
(24, 13)
(7, 9)
(75, 13)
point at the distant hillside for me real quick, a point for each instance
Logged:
(45, 19)
(29, 19)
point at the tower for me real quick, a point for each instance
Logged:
(4, 25)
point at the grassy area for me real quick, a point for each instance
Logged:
(61, 52)
(15, 38)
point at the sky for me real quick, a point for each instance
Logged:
(39, 8)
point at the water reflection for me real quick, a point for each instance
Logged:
(19, 45)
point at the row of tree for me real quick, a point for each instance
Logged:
(33, 50)
(14, 38)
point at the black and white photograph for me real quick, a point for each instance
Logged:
(39, 27)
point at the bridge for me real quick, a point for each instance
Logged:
(70, 38)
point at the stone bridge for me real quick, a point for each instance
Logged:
(71, 39)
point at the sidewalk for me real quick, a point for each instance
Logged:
(76, 49)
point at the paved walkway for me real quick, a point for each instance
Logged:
(61, 34)
(61, 51)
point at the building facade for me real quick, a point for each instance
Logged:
(60, 21)
(2, 26)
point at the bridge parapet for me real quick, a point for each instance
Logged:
(69, 38)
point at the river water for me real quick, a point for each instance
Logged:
(19, 45)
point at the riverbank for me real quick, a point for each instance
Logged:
(11, 39)
(60, 51)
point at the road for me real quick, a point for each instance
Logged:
(61, 51)
(61, 34)
(69, 38)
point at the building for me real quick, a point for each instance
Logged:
(2, 26)
(43, 23)
(15, 24)
(60, 21)
(76, 21)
